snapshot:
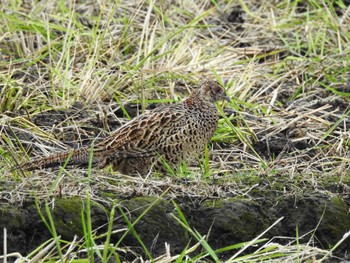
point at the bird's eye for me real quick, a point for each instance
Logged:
(217, 89)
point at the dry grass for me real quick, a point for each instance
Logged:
(286, 66)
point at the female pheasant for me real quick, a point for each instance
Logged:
(167, 135)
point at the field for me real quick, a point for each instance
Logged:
(273, 184)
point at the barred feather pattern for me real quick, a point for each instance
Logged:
(169, 134)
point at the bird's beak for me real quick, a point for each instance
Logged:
(227, 98)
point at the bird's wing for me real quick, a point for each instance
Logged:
(139, 137)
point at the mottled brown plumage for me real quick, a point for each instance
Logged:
(169, 134)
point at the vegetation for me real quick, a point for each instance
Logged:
(73, 71)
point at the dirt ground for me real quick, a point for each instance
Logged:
(286, 157)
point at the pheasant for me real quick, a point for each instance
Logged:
(165, 136)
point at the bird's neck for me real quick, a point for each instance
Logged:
(196, 102)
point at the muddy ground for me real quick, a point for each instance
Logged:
(224, 221)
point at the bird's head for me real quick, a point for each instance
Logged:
(211, 91)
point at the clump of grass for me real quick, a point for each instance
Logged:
(286, 68)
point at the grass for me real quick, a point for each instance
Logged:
(286, 68)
